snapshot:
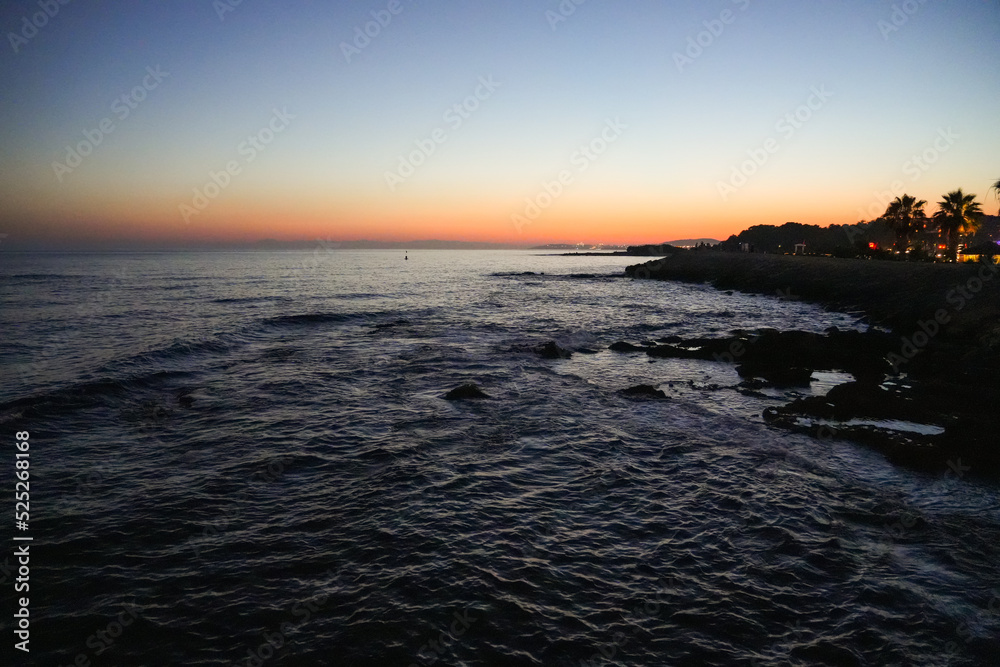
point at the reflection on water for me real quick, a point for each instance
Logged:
(253, 449)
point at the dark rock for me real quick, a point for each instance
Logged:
(622, 346)
(551, 351)
(466, 392)
(671, 352)
(672, 340)
(644, 391)
(777, 375)
(754, 384)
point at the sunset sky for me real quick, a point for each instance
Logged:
(524, 121)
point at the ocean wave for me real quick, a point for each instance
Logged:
(84, 395)
(308, 319)
(252, 299)
(42, 276)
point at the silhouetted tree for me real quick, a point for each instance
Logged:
(996, 189)
(958, 213)
(905, 216)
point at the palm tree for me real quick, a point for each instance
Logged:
(958, 213)
(905, 216)
(996, 188)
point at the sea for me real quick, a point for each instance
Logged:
(247, 459)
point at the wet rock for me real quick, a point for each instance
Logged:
(467, 392)
(965, 412)
(754, 384)
(777, 375)
(788, 357)
(551, 350)
(622, 346)
(672, 352)
(644, 391)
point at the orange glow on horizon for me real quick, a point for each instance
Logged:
(620, 219)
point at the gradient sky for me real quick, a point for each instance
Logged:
(928, 84)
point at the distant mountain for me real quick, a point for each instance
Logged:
(690, 243)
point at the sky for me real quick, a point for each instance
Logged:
(526, 121)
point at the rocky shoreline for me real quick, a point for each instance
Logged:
(932, 356)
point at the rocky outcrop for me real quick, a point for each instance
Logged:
(622, 346)
(644, 391)
(549, 350)
(783, 358)
(467, 392)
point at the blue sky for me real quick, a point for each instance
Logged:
(892, 88)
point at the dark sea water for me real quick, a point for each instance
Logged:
(246, 459)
